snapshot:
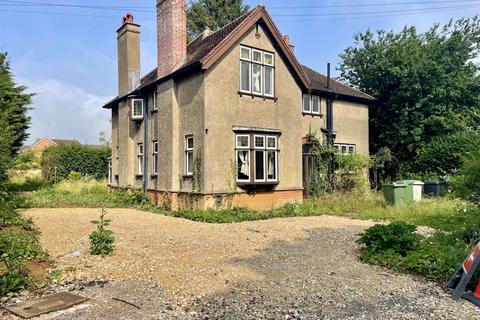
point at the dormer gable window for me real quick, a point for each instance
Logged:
(257, 72)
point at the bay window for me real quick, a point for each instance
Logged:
(257, 158)
(257, 72)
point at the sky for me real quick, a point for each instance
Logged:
(67, 55)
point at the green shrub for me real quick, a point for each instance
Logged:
(436, 258)
(398, 236)
(466, 182)
(444, 155)
(101, 240)
(58, 162)
(18, 244)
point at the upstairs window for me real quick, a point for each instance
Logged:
(154, 101)
(257, 158)
(311, 104)
(257, 72)
(189, 155)
(137, 109)
(155, 157)
(140, 159)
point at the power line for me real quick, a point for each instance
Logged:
(416, 3)
(371, 12)
(313, 17)
(47, 4)
(366, 17)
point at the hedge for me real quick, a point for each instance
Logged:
(59, 161)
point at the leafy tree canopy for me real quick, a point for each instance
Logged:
(427, 84)
(14, 120)
(213, 14)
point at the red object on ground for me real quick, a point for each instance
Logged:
(476, 293)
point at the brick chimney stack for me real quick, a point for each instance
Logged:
(171, 35)
(286, 38)
(128, 46)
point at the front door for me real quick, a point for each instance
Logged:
(308, 161)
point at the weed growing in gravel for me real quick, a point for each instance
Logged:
(18, 245)
(398, 247)
(101, 240)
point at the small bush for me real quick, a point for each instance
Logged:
(398, 236)
(18, 244)
(466, 182)
(101, 240)
(436, 257)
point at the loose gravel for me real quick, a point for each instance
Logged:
(292, 268)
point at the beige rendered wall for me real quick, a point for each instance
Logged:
(225, 108)
(350, 121)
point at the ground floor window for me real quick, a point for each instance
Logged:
(110, 175)
(155, 157)
(257, 158)
(345, 148)
(140, 158)
(189, 155)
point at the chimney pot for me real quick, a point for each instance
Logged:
(128, 18)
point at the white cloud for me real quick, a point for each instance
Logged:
(65, 111)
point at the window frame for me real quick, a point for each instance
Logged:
(155, 158)
(110, 171)
(140, 155)
(154, 101)
(137, 117)
(309, 101)
(189, 150)
(263, 66)
(347, 147)
(252, 151)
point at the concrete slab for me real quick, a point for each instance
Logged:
(47, 304)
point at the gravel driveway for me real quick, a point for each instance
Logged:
(292, 268)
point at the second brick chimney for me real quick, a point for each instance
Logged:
(171, 35)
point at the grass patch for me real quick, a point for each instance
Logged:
(76, 193)
(444, 214)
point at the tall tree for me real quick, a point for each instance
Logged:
(14, 120)
(427, 84)
(213, 14)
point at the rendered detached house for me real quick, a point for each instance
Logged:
(226, 114)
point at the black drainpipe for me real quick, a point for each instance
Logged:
(145, 144)
(329, 112)
(330, 136)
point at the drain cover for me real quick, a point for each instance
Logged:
(47, 304)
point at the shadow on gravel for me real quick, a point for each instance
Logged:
(315, 277)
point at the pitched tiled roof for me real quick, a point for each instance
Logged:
(65, 141)
(208, 43)
(319, 82)
(201, 46)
